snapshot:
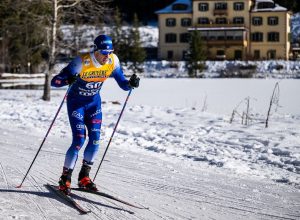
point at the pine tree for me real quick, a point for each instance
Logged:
(196, 55)
(137, 53)
(23, 34)
(120, 37)
(117, 31)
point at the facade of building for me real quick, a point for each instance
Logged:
(231, 29)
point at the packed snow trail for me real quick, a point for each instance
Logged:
(171, 189)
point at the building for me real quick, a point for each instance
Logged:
(230, 29)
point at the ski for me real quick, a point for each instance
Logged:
(67, 198)
(107, 196)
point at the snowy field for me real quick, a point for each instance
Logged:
(174, 152)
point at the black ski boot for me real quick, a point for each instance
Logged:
(84, 181)
(65, 181)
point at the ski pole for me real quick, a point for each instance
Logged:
(113, 133)
(61, 104)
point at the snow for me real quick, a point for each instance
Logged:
(174, 152)
(87, 34)
(276, 8)
(279, 69)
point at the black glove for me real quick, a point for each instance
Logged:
(71, 80)
(134, 81)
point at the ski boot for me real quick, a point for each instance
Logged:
(65, 181)
(84, 181)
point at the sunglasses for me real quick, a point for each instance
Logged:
(106, 52)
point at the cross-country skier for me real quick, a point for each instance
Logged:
(85, 74)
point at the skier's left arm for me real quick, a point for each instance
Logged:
(118, 74)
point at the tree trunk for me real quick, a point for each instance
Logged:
(48, 77)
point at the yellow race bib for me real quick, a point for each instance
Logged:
(91, 73)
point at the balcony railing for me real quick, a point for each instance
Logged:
(225, 42)
(213, 25)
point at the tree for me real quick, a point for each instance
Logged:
(117, 33)
(196, 55)
(137, 53)
(23, 33)
(57, 6)
(292, 5)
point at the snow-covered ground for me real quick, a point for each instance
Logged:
(174, 152)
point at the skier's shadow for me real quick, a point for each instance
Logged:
(99, 203)
(51, 195)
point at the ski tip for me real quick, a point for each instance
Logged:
(19, 186)
(85, 212)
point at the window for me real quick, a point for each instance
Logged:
(203, 6)
(235, 35)
(221, 6)
(271, 54)
(170, 22)
(179, 7)
(272, 20)
(184, 38)
(273, 36)
(221, 20)
(257, 21)
(171, 38)
(238, 54)
(257, 37)
(185, 22)
(238, 20)
(256, 54)
(238, 6)
(170, 54)
(203, 20)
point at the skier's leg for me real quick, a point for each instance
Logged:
(78, 133)
(76, 118)
(93, 123)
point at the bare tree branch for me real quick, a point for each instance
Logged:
(68, 6)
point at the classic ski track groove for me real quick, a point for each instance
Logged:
(41, 210)
(231, 202)
(4, 176)
(41, 189)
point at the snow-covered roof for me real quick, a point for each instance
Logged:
(170, 9)
(275, 8)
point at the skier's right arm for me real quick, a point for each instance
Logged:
(68, 73)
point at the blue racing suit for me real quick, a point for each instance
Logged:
(84, 101)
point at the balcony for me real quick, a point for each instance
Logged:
(220, 12)
(213, 43)
(215, 25)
